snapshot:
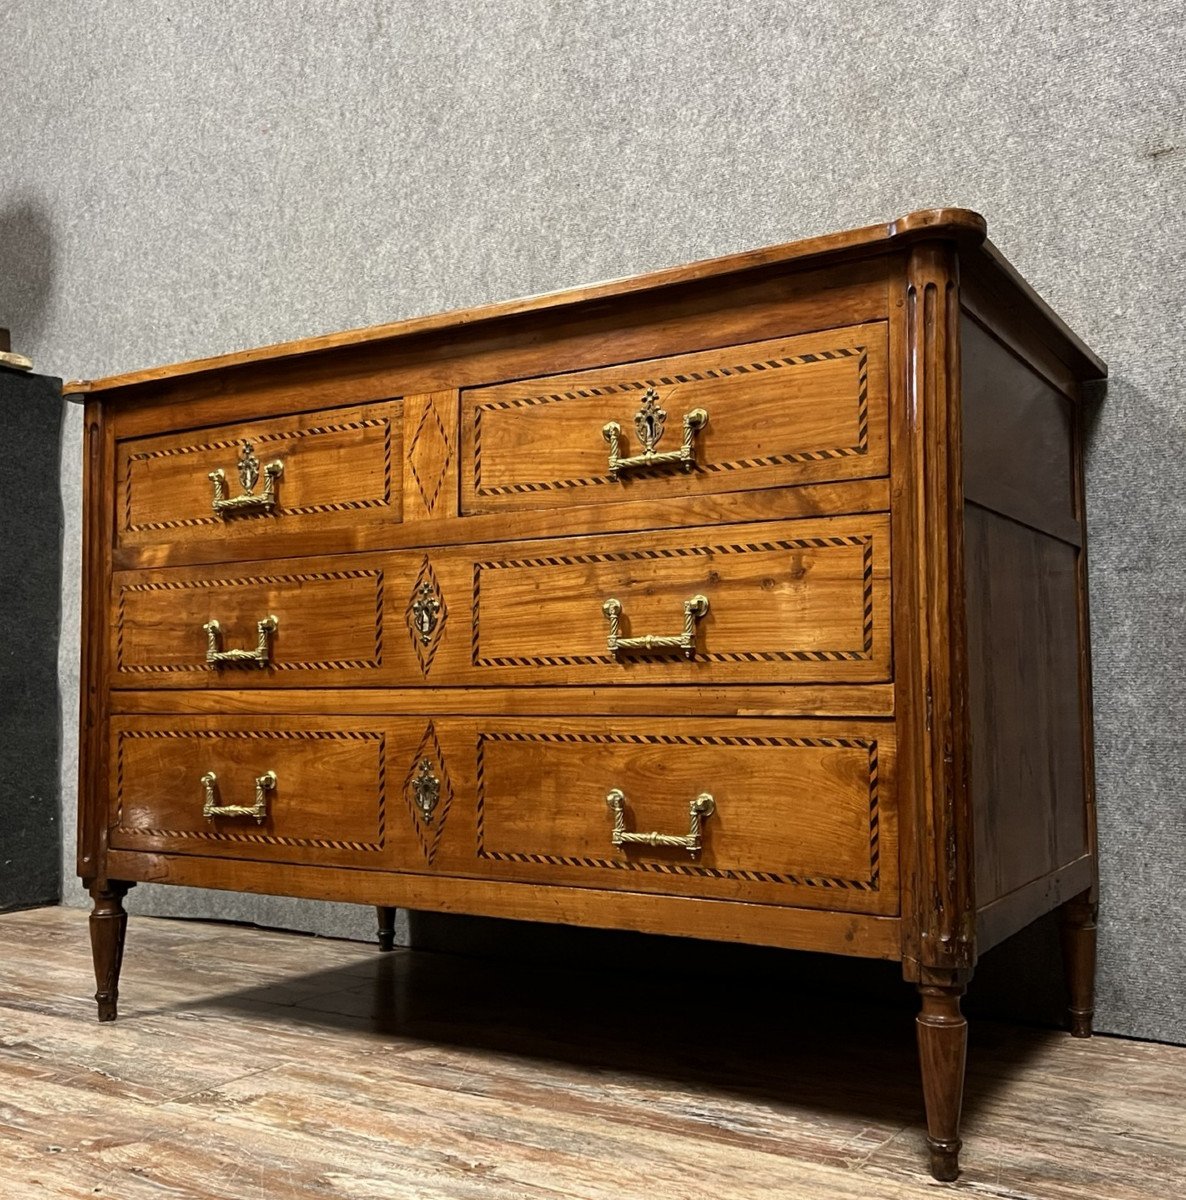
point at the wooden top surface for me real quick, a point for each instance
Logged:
(959, 223)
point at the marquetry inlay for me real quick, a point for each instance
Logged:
(860, 400)
(266, 444)
(861, 652)
(425, 615)
(593, 740)
(428, 831)
(252, 835)
(260, 583)
(429, 454)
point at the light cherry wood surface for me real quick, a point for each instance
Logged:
(337, 468)
(851, 609)
(792, 410)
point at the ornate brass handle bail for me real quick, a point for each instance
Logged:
(259, 810)
(649, 423)
(695, 607)
(703, 806)
(260, 656)
(248, 467)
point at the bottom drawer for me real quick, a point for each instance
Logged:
(785, 812)
(270, 788)
(776, 811)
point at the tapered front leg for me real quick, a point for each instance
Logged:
(386, 927)
(942, 1052)
(1077, 923)
(109, 922)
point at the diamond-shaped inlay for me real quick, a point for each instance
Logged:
(428, 793)
(429, 454)
(426, 615)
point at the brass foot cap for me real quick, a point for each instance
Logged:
(1081, 1024)
(945, 1165)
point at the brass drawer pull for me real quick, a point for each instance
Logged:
(649, 423)
(259, 810)
(694, 608)
(260, 656)
(703, 806)
(248, 476)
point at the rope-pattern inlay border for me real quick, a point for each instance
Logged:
(246, 836)
(865, 653)
(871, 884)
(265, 439)
(250, 581)
(860, 353)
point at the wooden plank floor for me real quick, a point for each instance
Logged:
(248, 1064)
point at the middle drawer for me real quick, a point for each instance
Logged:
(777, 601)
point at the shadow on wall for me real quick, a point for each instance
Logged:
(27, 264)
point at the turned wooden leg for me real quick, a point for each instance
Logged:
(386, 927)
(108, 924)
(942, 1051)
(1077, 923)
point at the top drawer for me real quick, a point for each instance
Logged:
(794, 410)
(293, 473)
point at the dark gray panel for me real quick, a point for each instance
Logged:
(30, 606)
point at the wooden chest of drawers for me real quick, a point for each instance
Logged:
(740, 601)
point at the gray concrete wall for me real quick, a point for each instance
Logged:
(183, 180)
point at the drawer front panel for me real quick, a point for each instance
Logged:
(329, 801)
(339, 466)
(794, 410)
(802, 813)
(786, 601)
(782, 602)
(330, 624)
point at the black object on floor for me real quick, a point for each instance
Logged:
(30, 618)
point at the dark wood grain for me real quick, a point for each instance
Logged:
(858, 934)
(1077, 918)
(616, 515)
(1017, 433)
(109, 923)
(942, 1053)
(94, 698)
(931, 614)
(386, 933)
(1027, 767)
